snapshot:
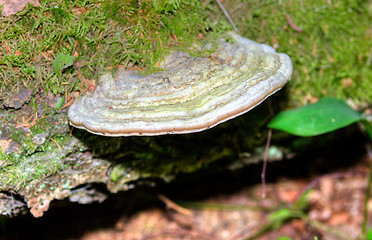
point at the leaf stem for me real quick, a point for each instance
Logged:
(368, 192)
(265, 164)
(227, 15)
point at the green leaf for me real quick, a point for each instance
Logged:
(302, 201)
(326, 115)
(279, 217)
(59, 103)
(368, 127)
(61, 62)
(284, 238)
(369, 234)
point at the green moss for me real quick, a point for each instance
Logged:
(18, 169)
(24, 169)
(36, 150)
(330, 54)
(332, 48)
(100, 34)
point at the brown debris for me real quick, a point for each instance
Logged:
(17, 100)
(15, 6)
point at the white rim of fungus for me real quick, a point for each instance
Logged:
(164, 109)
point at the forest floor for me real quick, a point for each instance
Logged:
(225, 205)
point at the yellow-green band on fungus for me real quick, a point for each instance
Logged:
(192, 95)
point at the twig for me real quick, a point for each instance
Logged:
(170, 204)
(180, 233)
(27, 123)
(161, 44)
(227, 15)
(224, 206)
(369, 58)
(56, 144)
(370, 52)
(7, 48)
(265, 164)
(67, 104)
(291, 24)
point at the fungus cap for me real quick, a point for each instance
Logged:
(193, 94)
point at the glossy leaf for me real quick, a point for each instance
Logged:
(369, 234)
(326, 115)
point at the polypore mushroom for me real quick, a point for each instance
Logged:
(193, 94)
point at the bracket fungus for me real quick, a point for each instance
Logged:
(191, 95)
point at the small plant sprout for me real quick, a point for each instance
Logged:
(326, 115)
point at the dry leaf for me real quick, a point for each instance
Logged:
(4, 145)
(15, 6)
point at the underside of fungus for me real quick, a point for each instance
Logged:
(191, 95)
